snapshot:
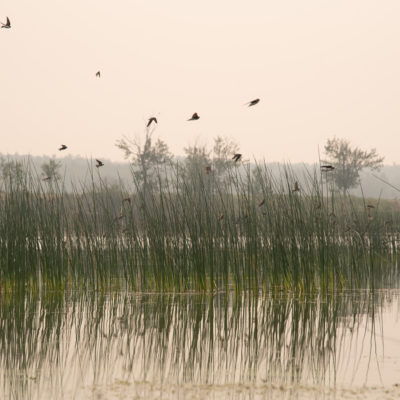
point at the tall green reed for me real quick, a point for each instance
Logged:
(200, 232)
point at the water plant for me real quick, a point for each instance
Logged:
(194, 232)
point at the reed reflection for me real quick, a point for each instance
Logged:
(58, 344)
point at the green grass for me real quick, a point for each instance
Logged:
(195, 233)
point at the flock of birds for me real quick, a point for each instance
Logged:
(236, 157)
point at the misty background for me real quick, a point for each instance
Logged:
(77, 171)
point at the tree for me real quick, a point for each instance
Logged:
(146, 158)
(348, 162)
(50, 170)
(219, 160)
(223, 151)
(204, 168)
(197, 159)
(12, 172)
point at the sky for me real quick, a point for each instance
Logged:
(322, 69)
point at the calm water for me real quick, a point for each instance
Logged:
(189, 346)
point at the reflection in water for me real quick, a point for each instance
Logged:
(63, 345)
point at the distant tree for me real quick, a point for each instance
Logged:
(12, 171)
(145, 158)
(50, 169)
(218, 160)
(197, 159)
(204, 167)
(349, 162)
(223, 151)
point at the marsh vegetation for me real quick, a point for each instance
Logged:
(195, 230)
(214, 279)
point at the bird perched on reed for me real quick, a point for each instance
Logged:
(253, 102)
(208, 169)
(7, 25)
(99, 163)
(195, 117)
(63, 147)
(152, 119)
(296, 187)
(98, 74)
(236, 157)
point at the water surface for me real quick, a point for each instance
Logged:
(222, 346)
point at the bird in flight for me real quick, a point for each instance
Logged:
(237, 157)
(7, 25)
(98, 74)
(195, 116)
(326, 168)
(63, 147)
(253, 102)
(99, 163)
(152, 119)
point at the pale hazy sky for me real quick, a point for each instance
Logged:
(321, 69)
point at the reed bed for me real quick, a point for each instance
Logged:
(245, 231)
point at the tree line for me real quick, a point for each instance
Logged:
(150, 155)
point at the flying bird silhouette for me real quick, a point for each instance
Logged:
(236, 157)
(63, 147)
(99, 163)
(253, 102)
(7, 25)
(195, 116)
(326, 168)
(152, 119)
(98, 74)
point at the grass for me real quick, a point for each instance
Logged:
(195, 233)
